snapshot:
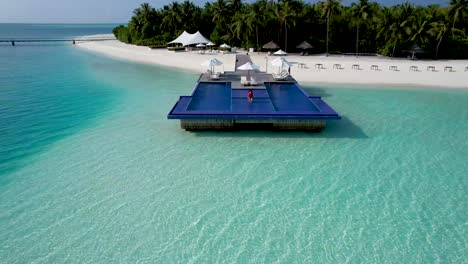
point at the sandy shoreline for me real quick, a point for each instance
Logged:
(309, 74)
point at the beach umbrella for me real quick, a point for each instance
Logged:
(212, 63)
(414, 49)
(304, 45)
(201, 45)
(271, 46)
(226, 46)
(210, 44)
(280, 53)
(281, 63)
(248, 67)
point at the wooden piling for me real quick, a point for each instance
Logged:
(287, 125)
(208, 124)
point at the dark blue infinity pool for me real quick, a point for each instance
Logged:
(280, 100)
(211, 96)
(289, 97)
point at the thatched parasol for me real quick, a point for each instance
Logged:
(271, 46)
(304, 45)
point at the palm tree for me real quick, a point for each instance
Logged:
(241, 28)
(136, 26)
(329, 7)
(220, 13)
(361, 13)
(146, 10)
(438, 31)
(187, 11)
(172, 18)
(285, 15)
(394, 24)
(457, 8)
(234, 5)
(257, 17)
(420, 27)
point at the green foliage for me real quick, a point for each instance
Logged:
(122, 34)
(176, 48)
(215, 37)
(364, 26)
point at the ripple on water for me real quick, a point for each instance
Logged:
(123, 183)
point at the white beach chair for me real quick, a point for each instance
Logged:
(244, 80)
(214, 76)
(281, 76)
(253, 81)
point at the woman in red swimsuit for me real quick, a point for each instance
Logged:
(250, 95)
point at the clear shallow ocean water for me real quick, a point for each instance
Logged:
(92, 171)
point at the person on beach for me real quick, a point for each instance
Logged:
(250, 96)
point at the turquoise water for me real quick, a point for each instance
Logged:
(92, 171)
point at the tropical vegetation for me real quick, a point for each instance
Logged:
(362, 27)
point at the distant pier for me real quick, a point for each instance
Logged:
(73, 41)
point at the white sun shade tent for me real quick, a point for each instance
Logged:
(187, 39)
(212, 63)
(280, 53)
(281, 63)
(248, 67)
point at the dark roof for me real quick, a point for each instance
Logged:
(304, 45)
(271, 45)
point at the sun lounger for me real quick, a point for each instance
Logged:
(277, 76)
(449, 68)
(244, 81)
(253, 81)
(281, 76)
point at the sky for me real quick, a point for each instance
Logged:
(105, 11)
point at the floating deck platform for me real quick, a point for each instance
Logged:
(282, 105)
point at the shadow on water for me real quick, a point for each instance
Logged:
(343, 128)
(316, 91)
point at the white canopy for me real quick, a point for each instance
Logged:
(212, 63)
(189, 39)
(281, 62)
(182, 38)
(280, 53)
(201, 45)
(248, 66)
(211, 44)
(225, 46)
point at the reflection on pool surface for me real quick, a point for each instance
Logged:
(211, 96)
(289, 97)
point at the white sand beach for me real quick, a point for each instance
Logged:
(305, 69)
